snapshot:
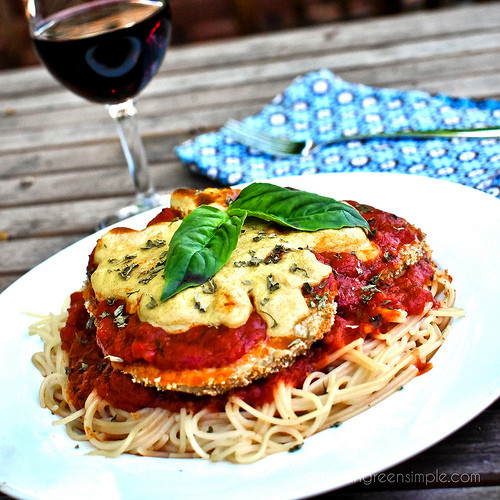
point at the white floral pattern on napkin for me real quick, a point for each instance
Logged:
(322, 106)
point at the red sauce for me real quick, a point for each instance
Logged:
(362, 294)
(88, 369)
(199, 347)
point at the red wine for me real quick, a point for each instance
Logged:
(105, 51)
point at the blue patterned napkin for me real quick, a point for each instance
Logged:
(322, 106)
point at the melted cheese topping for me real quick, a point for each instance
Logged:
(186, 200)
(267, 271)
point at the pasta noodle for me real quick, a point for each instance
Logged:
(353, 378)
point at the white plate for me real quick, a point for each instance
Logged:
(39, 461)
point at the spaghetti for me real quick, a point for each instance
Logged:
(371, 352)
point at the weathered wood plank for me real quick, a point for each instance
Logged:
(48, 220)
(477, 86)
(416, 73)
(89, 185)
(367, 34)
(19, 256)
(24, 164)
(344, 35)
(363, 33)
(103, 129)
(158, 116)
(160, 148)
(270, 67)
(480, 493)
(80, 216)
(5, 281)
(165, 106)
(413, 72)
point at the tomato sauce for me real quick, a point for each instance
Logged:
(199, 347)
(88, 369)
(366, 296)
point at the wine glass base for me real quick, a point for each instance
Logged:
(155, 201)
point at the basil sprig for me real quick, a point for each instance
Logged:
(296, 209)
(207, 237)
(201, 245)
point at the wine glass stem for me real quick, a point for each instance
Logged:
(124, 115)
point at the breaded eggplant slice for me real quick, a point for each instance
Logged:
(265, 358)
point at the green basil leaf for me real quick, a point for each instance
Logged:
(296, 209)
(198, 249)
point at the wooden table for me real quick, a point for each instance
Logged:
(61, 166)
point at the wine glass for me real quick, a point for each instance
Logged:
(107, 51)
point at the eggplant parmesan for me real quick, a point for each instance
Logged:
(296, 331)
